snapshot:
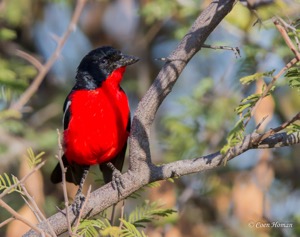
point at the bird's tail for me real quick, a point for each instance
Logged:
(73, 175)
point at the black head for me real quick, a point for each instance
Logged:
(98, 64)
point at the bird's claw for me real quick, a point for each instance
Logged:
(78, 203)
(117, 182)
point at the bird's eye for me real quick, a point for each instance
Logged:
(104, 61)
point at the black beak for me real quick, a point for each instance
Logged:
(127, 60)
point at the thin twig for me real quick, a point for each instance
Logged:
(81, 210)
(63, 183)
(35, 62)
(31, 208)
(6, 191)
(286, 38)
(292, 28)
(260, 123)
(36, 210)
(32, 204)
(112, 217)
(6, 221)
(35, 207)
(290, 44)
(25, 97)
(272, 131)
(236, 50)
(19, 217)
(269, 87)
(122, 213)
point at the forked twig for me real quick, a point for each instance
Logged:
(6, 191)
(19, 217)
(236, 50)
(43, 70)
(33, 206)
(275, 130)
(35, 209)
(290, 44)
(6, 221)
(63, 183)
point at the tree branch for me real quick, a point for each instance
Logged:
(105, 196)
(191, 43)
(291, 63)
(184, 167)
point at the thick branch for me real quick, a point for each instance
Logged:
(105, 196)
(184, 167)
(163, 84)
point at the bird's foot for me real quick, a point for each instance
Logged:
(78, 203)
(117, 182)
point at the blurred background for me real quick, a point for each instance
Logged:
(259, 186)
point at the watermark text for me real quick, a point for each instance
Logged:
(273, 224)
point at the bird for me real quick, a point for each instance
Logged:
(96, 118)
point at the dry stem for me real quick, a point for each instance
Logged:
(43, 69)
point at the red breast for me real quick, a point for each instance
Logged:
(97, 128)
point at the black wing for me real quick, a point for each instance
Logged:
(67, 112)
(74, 171)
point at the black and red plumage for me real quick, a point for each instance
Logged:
(96, 117)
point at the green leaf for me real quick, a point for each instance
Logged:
(235, 136)
(129, 230)
(240, 109)
(7, 34)
(137, 194)
(154, 184)
(33, 159)
(6, 182)
(293, 128)
(293, 76)
(248, 79)
(148, 212)
(251, 98)
(294, 82)
(247, 103)
(111, 231)
(91, 228)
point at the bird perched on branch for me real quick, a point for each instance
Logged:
(96, 118)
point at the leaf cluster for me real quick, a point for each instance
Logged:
(7, 181)
(204, 113)
(159, 10)
(15, 73)
(11, 182)
(33, 159)
(293, 128)
(14, 78)
(293, 77)
(243, 110)
(147, 213)
(140, 216)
